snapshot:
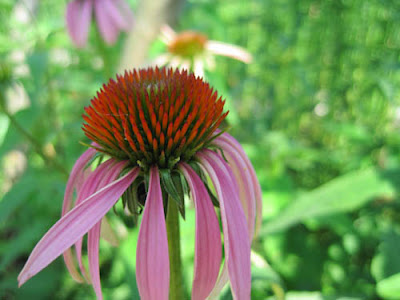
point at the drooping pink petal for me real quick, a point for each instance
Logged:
(108, 29)
(125, 9)
(229, 50)
(93, 257)
(152, 260)
(208, 240)
(257, 189)
(243, 178)
(78, 16)
(70, 264)
(75, 179)
(74, 225)
(236, 239)
(89, 187)
(223, 278)
(120, 13)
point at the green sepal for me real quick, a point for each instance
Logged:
(131, 198)
(97, 155)
(112, 153)
(182, 188)
(171, 186)
(214, 199)
(165, 199)
(220, 151)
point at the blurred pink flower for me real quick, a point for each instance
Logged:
(192, 50)
(112, 16)
(152, 124)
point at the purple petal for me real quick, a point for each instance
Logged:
(75, 180)
(75, 176)
(74, 225)
(221, 282)
(96, 180)
(93, 256)
(108, 30)
(78, 16)
(236, 239)
(208, 239)
(257, 189)
(152, 260)
(120, 14)
(245, 182)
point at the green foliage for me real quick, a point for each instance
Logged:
(317, 111)
(342, 194)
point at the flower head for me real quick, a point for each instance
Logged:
(153, 126)
(193, 50)
(112, 16)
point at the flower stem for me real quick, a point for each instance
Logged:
(174, 249)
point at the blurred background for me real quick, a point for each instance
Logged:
(317, 110)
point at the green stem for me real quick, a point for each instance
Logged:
(174, 249)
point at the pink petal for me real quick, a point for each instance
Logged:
(229, 50)
(75, 176)
(236, 239)
(108, 30)
(74, 225)
(99, 178)
(221, 282)
(257, 189)
(244, 180)
(208, 240)
(78, 16)
(152, 260)
(121, 14)
(93, 256)
(75, 179)
(70, 264)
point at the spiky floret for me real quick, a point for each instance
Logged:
(154, 117)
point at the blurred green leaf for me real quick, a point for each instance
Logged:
(342, 194)
(19, 244)
(314, 296)
(389, 288)
(387, 261)
(16, 196)
(26, 118)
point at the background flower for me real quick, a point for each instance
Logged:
(192, 50)
(112, 16)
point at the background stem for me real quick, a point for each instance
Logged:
(150, 16)
(174, 249)
(36, 145)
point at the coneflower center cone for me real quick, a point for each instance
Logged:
(188, 44)
(154, 117)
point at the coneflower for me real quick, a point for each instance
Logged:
(157, 133)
